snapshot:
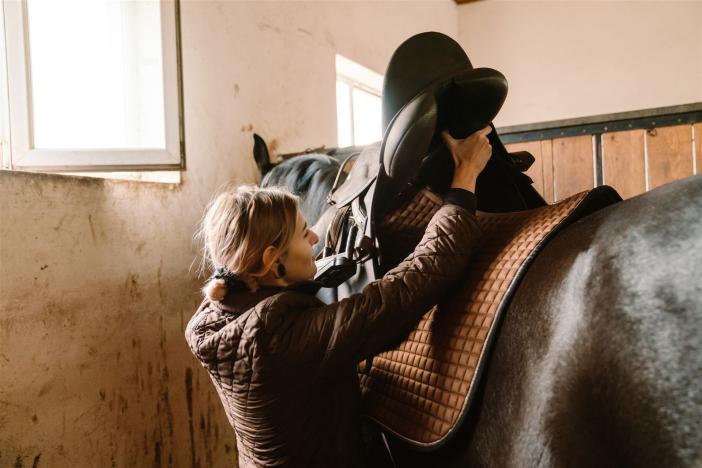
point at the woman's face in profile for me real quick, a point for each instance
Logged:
(299, 260)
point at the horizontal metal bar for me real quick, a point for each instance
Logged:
(563, 129)
(603, 118)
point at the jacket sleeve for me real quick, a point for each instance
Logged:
(346, 332)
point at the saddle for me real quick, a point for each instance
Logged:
(421, 391)
(430, 85)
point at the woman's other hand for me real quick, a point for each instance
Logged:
(470, 156)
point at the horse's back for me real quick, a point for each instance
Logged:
(598, 362)
(606, 330)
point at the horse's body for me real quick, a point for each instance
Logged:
(598, 360)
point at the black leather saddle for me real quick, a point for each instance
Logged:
(430, 85)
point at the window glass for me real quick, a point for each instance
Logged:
(366, 117)
(358, 106)
(96, 74)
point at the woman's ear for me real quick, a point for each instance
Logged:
(270, 255)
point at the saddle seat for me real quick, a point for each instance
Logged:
(421, 390)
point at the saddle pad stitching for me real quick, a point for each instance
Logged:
(449, 367)
(419, 409)
(419, 382)
(411, 342)
(530, 242)
(507, 298)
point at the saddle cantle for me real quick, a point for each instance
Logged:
(421, 391)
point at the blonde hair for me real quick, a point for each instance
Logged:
(237, 227)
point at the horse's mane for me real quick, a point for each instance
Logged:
(308, 176)
(299, 172)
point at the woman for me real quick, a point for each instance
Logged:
(283, 362)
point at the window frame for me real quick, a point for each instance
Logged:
(23, 155)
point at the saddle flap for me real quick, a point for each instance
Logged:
(522, 160)
(408, 138)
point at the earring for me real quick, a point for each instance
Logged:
(281, 270)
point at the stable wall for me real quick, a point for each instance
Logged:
(570, 58)
(95, 277)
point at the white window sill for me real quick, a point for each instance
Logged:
(164, 177)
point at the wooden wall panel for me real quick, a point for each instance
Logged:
(572, 166)
(542, 169)
(669, 154)
(564, 166)
(547, 167)
(623, 165)
(698, 147)
(536, 169)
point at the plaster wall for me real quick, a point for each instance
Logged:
(95, 277)
(570, 58)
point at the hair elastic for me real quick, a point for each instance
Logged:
(230, 278)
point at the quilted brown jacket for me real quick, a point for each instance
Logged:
(284, 362)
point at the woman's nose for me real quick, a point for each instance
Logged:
(314, 238)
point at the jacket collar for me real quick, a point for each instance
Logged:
(242, 300)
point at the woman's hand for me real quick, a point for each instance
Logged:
(470, 156)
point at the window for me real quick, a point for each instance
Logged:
(358, 108)
(92, 85)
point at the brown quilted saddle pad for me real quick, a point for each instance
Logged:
(420, 391)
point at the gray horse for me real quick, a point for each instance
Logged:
(598, 359)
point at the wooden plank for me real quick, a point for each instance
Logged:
(698, 147)
(535, 171)
(572, 166)
(547, 168)
(669, 154)
(623, 165)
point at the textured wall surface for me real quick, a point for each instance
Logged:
(95, 278)
(574, 58)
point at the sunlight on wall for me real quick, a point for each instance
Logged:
(358, 105)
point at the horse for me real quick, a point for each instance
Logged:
(598, 358)
(313, 176)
